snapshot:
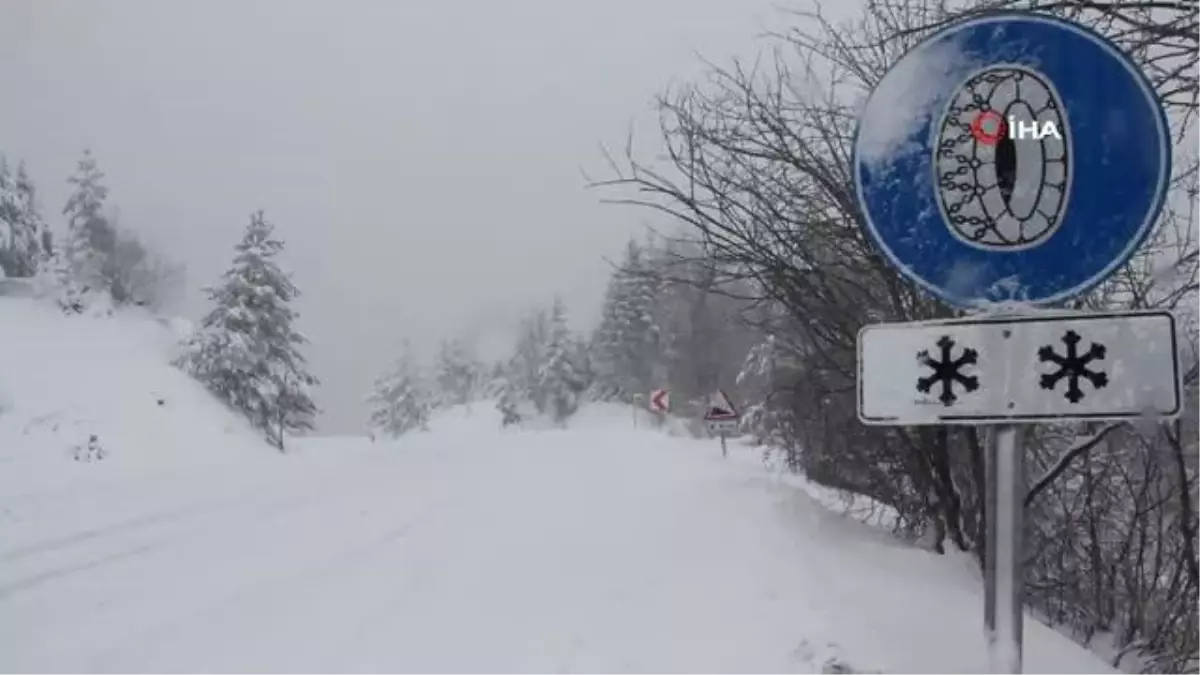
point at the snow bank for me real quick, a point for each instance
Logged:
(472, 418)
(609, 416)
(64, 379)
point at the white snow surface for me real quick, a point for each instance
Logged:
(63, 379)
(600, 547)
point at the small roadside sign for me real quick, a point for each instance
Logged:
(720, 408)
(721, 418)
(722, 427)
(1072, 367)
(660, 400)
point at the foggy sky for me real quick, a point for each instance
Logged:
(422, 159)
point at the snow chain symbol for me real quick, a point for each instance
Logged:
(1073, 366)
(1003, 193)
(947, 371)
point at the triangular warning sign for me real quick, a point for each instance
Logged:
(720, 408)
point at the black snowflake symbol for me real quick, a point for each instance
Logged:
(1073, 366)
(947, 371)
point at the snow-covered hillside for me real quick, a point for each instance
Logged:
(602, 547)
(63, 379)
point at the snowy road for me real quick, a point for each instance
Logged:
(468, 549)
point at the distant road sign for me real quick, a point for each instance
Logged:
(660, 400)
(721, 408)
(1036, 368)
(1012, 156)
(723, 427)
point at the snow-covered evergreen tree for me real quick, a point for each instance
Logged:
(402, 398)
(581, 355)
(247, 351)
(23, 233)
(519, 390)
(56, 279)
(549, 370)
(644, 342)
(696, 349)
(767, 369)
(605, 341)
(561, 379)
(456, 372)
(525, 366)
(90, 237)
(494, 383)
(627, 342)
(508, 402)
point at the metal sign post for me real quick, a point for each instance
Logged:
(1004, 590)
(990, 174)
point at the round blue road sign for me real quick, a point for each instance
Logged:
(1011, 157)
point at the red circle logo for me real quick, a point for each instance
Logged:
(988, 127)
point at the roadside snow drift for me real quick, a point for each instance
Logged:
(63, 379)
(602, 547)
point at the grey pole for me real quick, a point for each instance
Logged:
(1004, 581)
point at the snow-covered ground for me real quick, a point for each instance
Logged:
(602, 547)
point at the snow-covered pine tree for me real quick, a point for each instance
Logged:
(401, 400)
(9, 220)
(520, 392)
(627, 341)
(89, 235)
(56, 280)
(456, 373)
(694, 330)
(40, 241)
(495, 381)
(508, 402)
(561, 379)
(644, 344)
(23, 233)
(606, 341)
(246, 350)
(581, 356)
(526, 364)
(768, 367)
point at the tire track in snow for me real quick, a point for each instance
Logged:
(8, 590)
(230, 609)
(209, 511)
(66, 541)
(123, 486)
(33, 581)
(199, 508)
(224, 502)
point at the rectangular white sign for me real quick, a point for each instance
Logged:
(724, 427)
(1019, 369)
